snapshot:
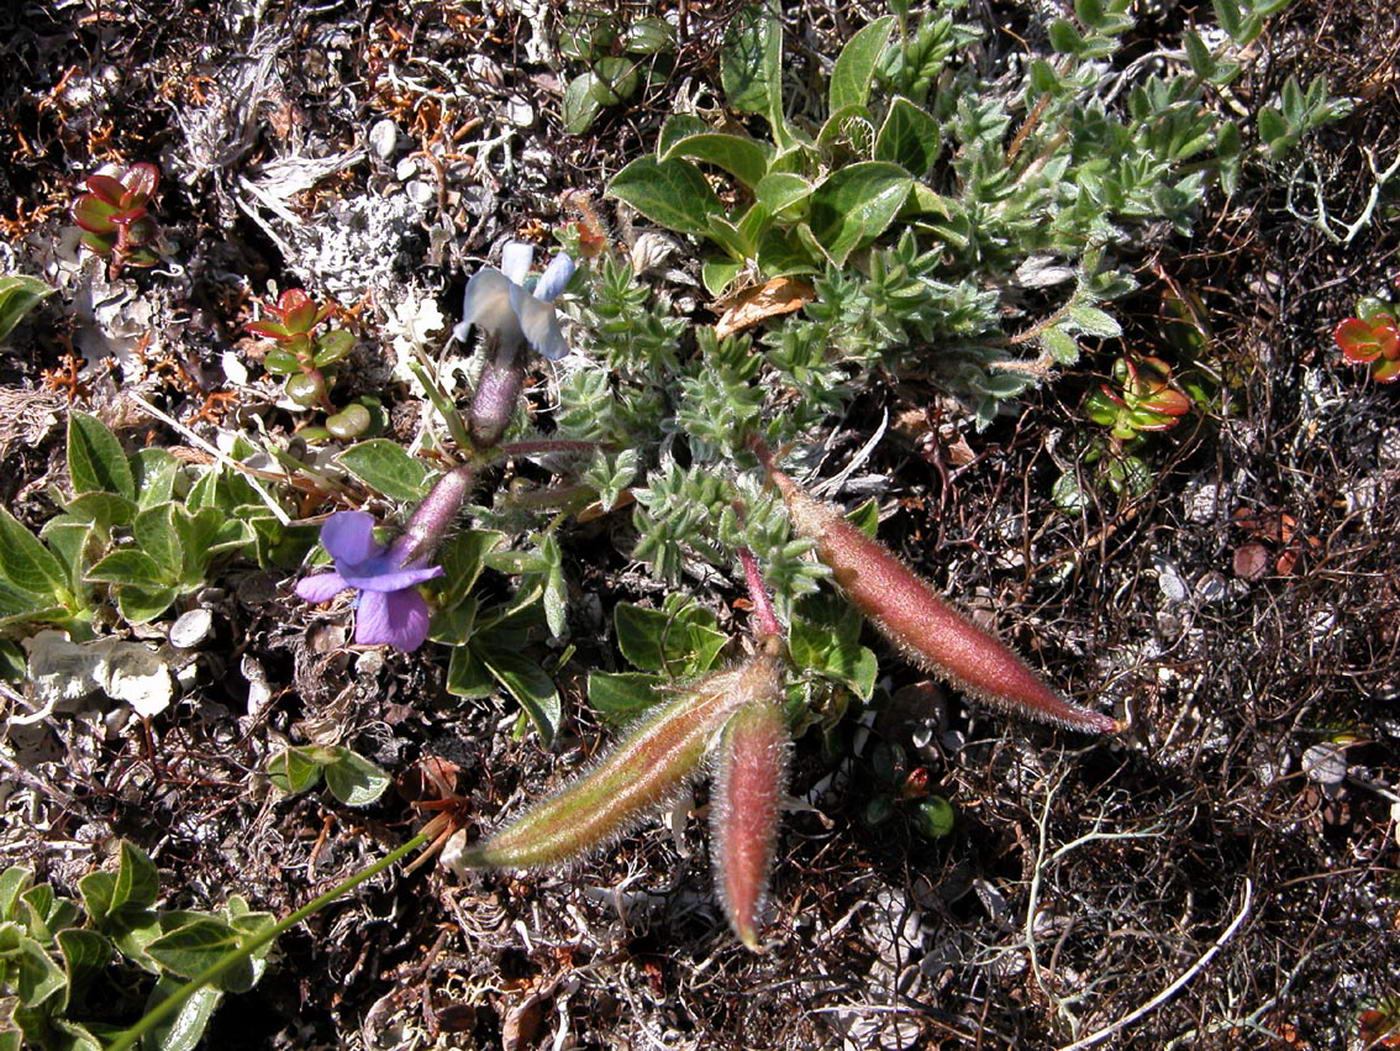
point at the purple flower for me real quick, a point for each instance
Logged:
(497, 302)
(389, 607)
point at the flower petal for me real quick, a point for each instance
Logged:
(321, 588)
(379, 575)
(555, 278)
(399, 618)
(486, 304)
(540, 324)
(516, 257)
(349, 537)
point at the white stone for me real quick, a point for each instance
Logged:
(384, 139)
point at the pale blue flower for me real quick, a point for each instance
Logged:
(497, 302)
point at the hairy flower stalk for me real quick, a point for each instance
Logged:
(640, 776)
(497, 392)
(928, 630)
(750, 777)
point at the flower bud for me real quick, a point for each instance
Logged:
(642, 775)
(750, 778)
(924, 627)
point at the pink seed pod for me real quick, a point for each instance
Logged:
(750, 777)
(925, 628)
(643, 774)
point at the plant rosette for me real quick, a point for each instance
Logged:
(1372, 340)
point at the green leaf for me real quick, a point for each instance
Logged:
(581, 105)
(383, 465)
(467, 676)
(717, 273)
(909, 137)
(19, 295)
(778, 191)
(1068, 495)
(751, 63)
(26, 563)
(129, 566)
(96, 462)
(354, 780)
(1060, 345)
(281, 362)
(1064, 38)
(616, 79)
(155, 473)
(678, 126)
(678, 642)
(866, 517)
(137, 882)
(516, 561)
(462, 557)
(744, 158)
(193, 947)
(96, 889)
(556, 592)
(102, 509)
(139, 605)
(14, 881)
(855, 66)
(183, 1030)
(85, 954)
(333, 346)
(618, 697)
(37, 976)
(674, 194)
(824, 651)
(1094, 322)
(527, 682)
(855, 204)
(155, 532)
(292, 770)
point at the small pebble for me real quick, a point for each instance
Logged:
(1325, 764)
(406, 169)
(190, 629)
(384, 139)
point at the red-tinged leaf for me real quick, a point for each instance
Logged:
(101, 243)
(298, 310)
(107, 188)
(270, 329)
(927, 630)
(140, 182)
(1357, 340)
(92, 213)
(750, 778)
(142, 231)
(1168, 403)
(1386, 370)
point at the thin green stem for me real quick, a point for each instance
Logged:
(172, 1003)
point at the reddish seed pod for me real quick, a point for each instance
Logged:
(750, 777)
(928, 630)
(640, 776)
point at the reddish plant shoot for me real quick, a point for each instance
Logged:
(1374, 341)
(113, 217)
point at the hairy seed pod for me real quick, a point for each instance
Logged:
(928, 630)
(641, 775)
(750, 777)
